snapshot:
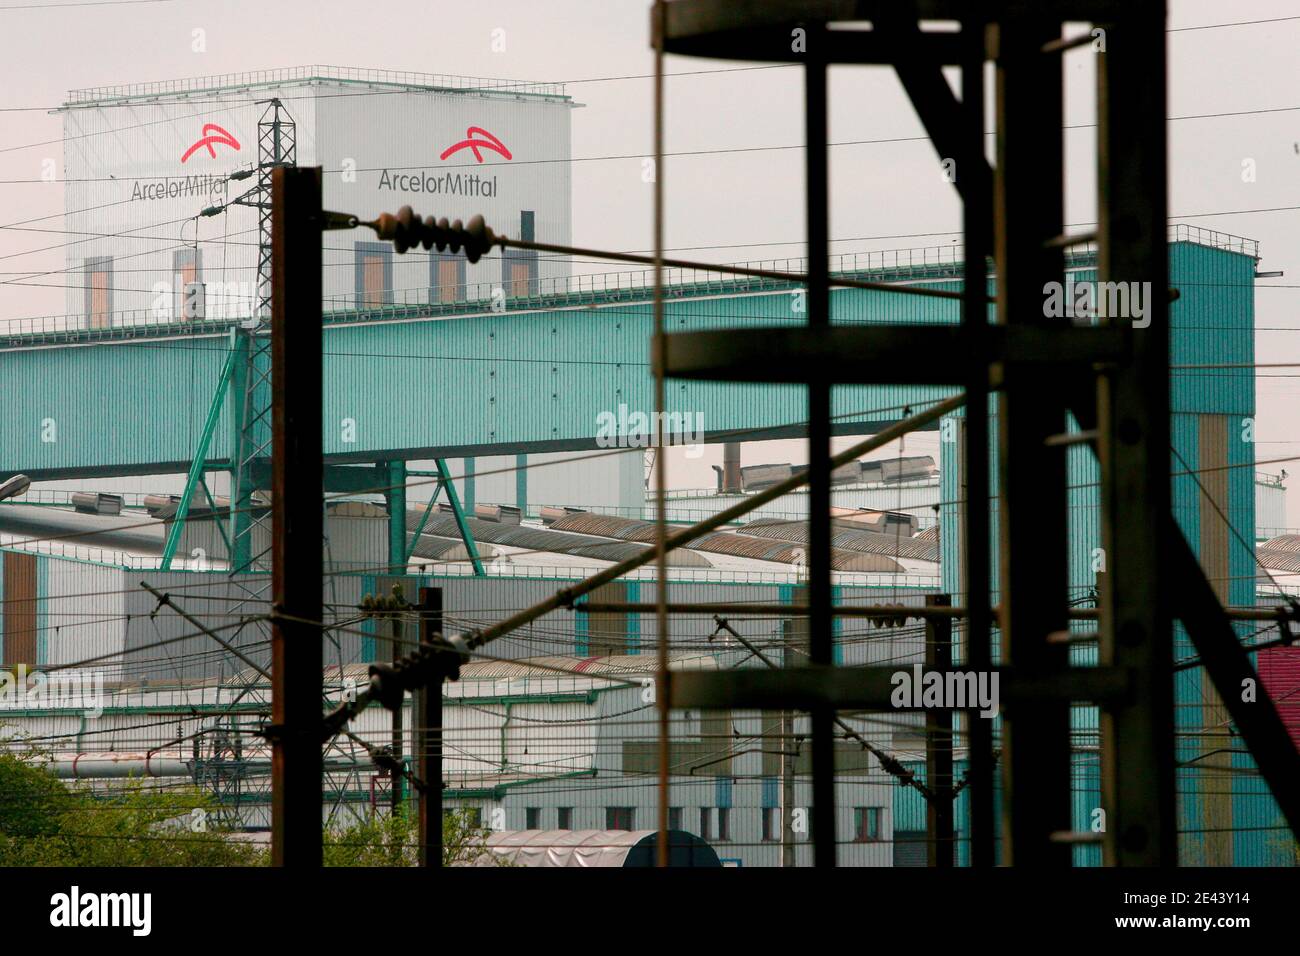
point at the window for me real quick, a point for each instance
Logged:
(519, 269)
(724, 824)
(771, 824)
(618, 818)
(706, 823)
(446, 277)
(519, 276)
(674, 818)
(866, 824)
(98, 273)
(374, 275)
(532, 818)
(565, 821)
(187, 271)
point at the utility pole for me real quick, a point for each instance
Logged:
(788, 757)
(398, 650)
(298, 530)
(940, 840)
(428, 737)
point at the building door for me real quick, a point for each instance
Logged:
(448, 280)
(372, 281)
(99, 318)
(519, 276)
(188, 274)
(19, 609)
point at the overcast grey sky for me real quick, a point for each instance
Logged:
(723, 201)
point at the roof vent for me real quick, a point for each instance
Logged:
(97, 504)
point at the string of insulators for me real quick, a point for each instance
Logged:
(891, 620)
(429, 664)
(379, 605)
(407, 230)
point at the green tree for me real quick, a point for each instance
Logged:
(392, 840)
(45, 823)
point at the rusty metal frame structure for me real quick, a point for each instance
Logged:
(1111, 377)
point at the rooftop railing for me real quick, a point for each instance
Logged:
(925, 263)
(298, 74)
(712, 575)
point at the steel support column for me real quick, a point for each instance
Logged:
(819, 440)
(1134, 448)
(395, 493)
(977, 216)
(428, 737)
(941, 840)
(1033, 518)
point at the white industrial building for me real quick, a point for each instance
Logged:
(139, 155)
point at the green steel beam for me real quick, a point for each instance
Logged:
(459, 514)
(395, 493)
(221, 525)
(200, 461)
(241, 478)
(424, 519)
(347, 479)
(521, 483)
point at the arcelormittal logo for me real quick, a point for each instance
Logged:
(213, 135)
(473, 142)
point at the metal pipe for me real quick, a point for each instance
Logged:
(103, 766)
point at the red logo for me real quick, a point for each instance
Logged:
(212, 134)
(487, 142)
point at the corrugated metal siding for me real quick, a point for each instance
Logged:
(110, 406)
(1279, 672)
(1270, 510)
(909, 811)
(1213, 322)
(495, 399)
(498, 400)
(599, 480)
(85, 613)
